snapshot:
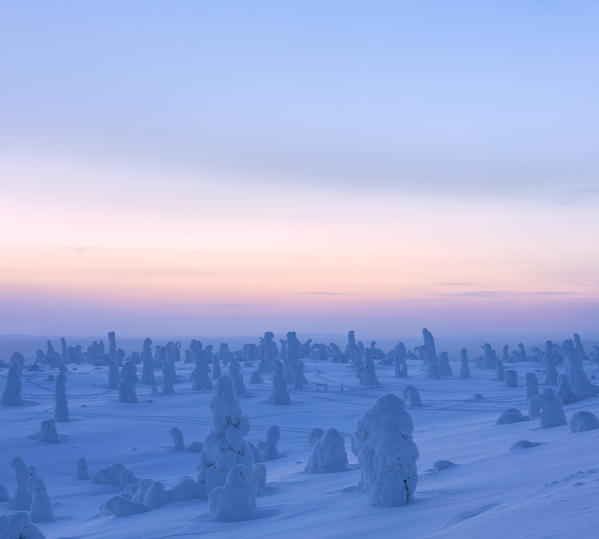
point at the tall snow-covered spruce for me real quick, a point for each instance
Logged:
(386, 452)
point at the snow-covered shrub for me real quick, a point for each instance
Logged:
(511, 378)
(552, 411)
(412, 396)
(21, 498)
(279, 394)
(315, 435)
(128, 382)
(177, 435)
(329, 454)
(225, 444)
(12, 390)
(19, 526)
(256, 378)
(115, 474)
(386, 452)
(583, 420)
(267, 450)
(465, 366)
(511, 415)
(61, 409)
(41, 510)
(236, 499)
(120, 506)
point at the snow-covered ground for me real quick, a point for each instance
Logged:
(549, 490)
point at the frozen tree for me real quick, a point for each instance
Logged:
(329, 454)
(412, 395)
(315, 435)
(19, 526)
(12, 389)
(386, 452)
(114, 377)
(268, 352)
(351, 349)
(367, 373)
(237, 377)
(292, 364)
(216, 370)
(534, 407)
(532, 386)
(565, 391)
(41, 510)
(279, 394)
(552, 358)
(400, 367)
(147, 370)
(511, 415)
(579, 348)
(552, 411)
(112, 345)
(429, 353)
(177, 439)
(81, 471)
(200, 377)
(465, 366)
(256, 378)
(444, 366)
(574, 371)
(168, 381)
(582, 421)
(47, 432)
(499, 370)
(522, 356)
(511, 378)
(61, 409)
(21, 499)
(128, 382)
(225, 444)
(64, 354)
(267, 450)
(236, 499)
(490, 359)
(4, 496)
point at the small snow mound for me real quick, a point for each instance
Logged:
(511, 415)
(583, 420)
(441, 465)
(524, 444)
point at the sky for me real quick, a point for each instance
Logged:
(227, 168)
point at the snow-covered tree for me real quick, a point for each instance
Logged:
(237, 377)
(279, 394)
(412, 396)
(61, 409)
(552, 411)
(41, 509)
(21, 498)
(429, 354)
(128, 382)
(386, 452)
(267, 450)
(225, 444)
(147, 358)
(12, 390)
(444, 365)
(511, 378)
(532, 386)
(177, 436)
(236, 498)
(329, 455)
(465, 366)
(81, 470)
(582, 421)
